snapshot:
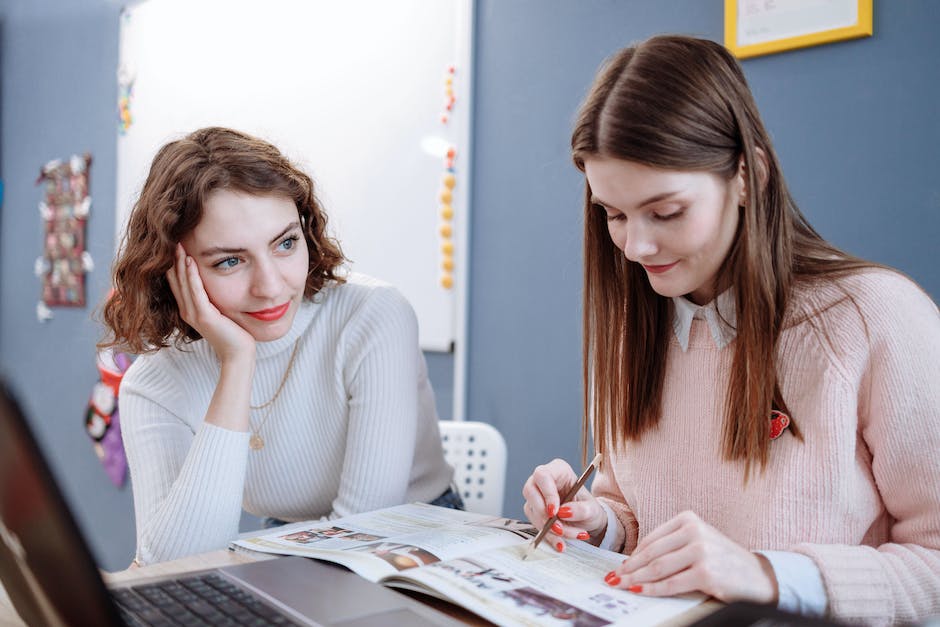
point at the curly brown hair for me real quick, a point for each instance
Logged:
(141, 314)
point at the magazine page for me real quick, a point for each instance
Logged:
(548, 588)
(388, 541)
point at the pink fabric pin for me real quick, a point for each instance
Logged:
(779, 421)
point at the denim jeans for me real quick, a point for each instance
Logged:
(450, 498)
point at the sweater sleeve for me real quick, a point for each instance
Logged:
(379, 352)
(187, 485)
(622, 528)
(899, 422)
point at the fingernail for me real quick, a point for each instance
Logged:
(565, 512)
(550, 510)
(613, 581)
(557, 528)
(560, 547)
(610, 576)
(584, 535)
(636, 588)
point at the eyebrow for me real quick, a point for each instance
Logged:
(648, 201)
(221, 250)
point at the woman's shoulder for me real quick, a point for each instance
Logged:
(360, 291)
(170, 365)
(877, 297)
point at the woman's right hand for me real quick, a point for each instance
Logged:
(227, 339)
(583, 518)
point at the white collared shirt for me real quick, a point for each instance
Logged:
(719, 313)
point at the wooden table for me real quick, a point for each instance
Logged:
(215, 559)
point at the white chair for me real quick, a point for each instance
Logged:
(477, 451)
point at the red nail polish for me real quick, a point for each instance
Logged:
(610, 576)
(561, 547)
(557, 528)
(565, 512)
(613, 581)
(550, 510)
(636, 588)
(584, 535)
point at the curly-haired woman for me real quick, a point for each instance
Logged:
(267, 380)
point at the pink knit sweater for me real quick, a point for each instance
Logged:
(860, 495)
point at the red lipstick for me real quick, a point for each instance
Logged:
(660, 269)
(272, 314)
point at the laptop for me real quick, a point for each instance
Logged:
(51, 578)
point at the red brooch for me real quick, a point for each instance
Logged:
(779, 421)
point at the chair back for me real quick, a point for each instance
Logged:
(477, 451)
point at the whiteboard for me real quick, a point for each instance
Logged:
(353, 92)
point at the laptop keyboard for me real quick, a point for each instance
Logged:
(205, 599)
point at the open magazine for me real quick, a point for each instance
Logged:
(474, 560)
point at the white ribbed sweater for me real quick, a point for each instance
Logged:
(860, 496)
(354, 428)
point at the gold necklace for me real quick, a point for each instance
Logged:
(256, 442)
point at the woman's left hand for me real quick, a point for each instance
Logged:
(685, 554)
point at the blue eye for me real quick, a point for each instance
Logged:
(289, 243)
(227, 263)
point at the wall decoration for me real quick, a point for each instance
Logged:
(449, 98)
(125, 94)
(102, 420)
(755, 27)
(446, 198)
(64, 212)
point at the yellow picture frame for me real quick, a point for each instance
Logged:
(757, 27)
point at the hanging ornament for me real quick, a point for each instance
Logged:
(102, 419)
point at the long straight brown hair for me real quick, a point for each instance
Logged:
(682, 103)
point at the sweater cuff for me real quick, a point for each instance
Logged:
(799, 582)
(856, 585)
(611, 539)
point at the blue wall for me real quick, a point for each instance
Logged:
(854, 122)
(59, 94)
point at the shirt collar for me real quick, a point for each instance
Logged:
(719, 313)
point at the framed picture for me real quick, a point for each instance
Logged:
(756, 27)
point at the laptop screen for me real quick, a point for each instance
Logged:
(46, 568)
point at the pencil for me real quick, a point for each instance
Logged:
(570, 495)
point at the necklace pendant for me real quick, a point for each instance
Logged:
(255, 442)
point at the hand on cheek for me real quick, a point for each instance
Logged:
(225, 336)
(685, 554)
